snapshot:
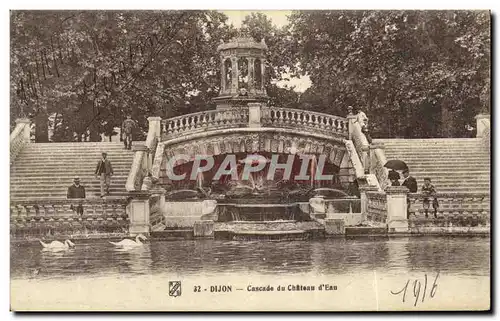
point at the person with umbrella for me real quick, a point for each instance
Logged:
(394, 178)
(394, 166)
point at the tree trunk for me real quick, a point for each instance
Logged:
(41, 126)
(94, 133)
(446, 119)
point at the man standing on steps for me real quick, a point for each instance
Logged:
(411, 183)
(105, 170)
(127, 128)
(76, 191)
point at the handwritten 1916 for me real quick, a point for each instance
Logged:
(417, 292)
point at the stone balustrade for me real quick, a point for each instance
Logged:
(376, 207)
(19, 137)
(59, 217)
(205, 120)
(451, 205)
(304, 120)
(269, 117)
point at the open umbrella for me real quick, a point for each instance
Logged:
(396, 164)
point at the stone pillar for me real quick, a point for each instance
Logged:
(317, 207)
(396, 209)
(26, 130)
(263, 75)
(234, 77)
(138, 212)
(364, 199)
(482, 123)
(254, 113)
(251, 75)
(155, 125)
(222, 74)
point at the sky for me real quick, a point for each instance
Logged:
(279, 18)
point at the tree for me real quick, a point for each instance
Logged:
(93, 67)
(415, 73)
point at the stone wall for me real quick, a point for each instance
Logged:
(184, 214)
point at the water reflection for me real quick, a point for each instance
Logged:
(463, 255)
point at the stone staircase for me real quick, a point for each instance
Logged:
(44, 171)
(454, 165)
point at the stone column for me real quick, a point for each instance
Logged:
(251, 75)
(234, 77)
(222, 74)
(364, 200)
(138, 212)
(482, 123)
(254, 113)
(155, 125)
(263, 75)
(26, 130)
(396, 209)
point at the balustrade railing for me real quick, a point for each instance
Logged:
(376, 207)
(270, 116)
(297, 118)
(450, 205)
(53, 217)
(19, 137)
(201, 121)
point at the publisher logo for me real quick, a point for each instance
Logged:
(174, 288)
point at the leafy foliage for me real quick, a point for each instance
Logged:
(415, 73)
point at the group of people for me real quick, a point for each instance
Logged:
(428, 190)
(103, 171)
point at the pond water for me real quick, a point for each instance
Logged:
(32, 270)
(458, 255)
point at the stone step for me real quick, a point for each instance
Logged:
(83, 165)
(74, 156)
(436, 153)
(59, 187)
(95, 193)
(80, 145)
(57, 181)
(71, 172)
(452, 162)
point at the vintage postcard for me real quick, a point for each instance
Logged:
(219, 160)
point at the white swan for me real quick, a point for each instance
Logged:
(130, 243)
(56, 245)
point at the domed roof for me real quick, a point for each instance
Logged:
(244, 42)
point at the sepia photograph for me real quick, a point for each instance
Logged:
(257, 160)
